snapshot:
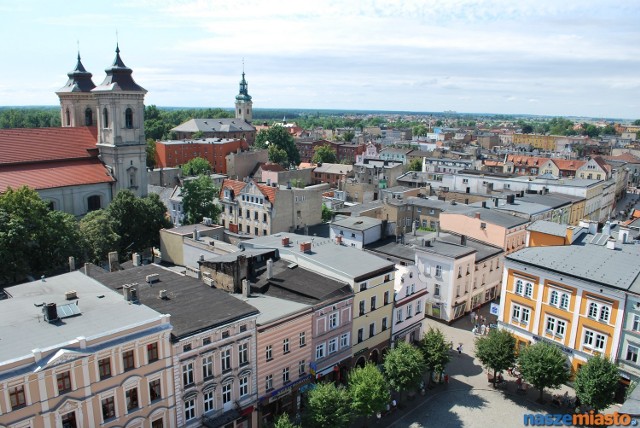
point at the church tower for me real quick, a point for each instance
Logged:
(121, 142)
(77, 103)
(244, 106)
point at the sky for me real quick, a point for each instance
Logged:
(546, 57)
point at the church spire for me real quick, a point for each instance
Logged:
(119, 77)
(79, 79)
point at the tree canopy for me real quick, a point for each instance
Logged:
(497, 351)
(198, 200)
(277, 136)
(404, 366)
(368, 390)
(328, 406)
(196, 166)
(435, 350)
(544, 366)
(348, 136)
(324, 154)
(415, 164)
(98, 234)
(596, 383)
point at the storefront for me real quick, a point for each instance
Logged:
(284, 400)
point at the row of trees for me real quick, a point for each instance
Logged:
(544, 365)
(368, 391)
(41, 117)
(35, 240)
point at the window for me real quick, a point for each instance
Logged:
(333, 320)
(64, 382)
(17, 397)
(372, 329)
(363, 286)
(225, 356)
(636, 323)
(604, 314)
(285, 346)
(226, 393)
(436, 291)
(438, 271)
(320, 349)
(303, 339)
(520, 314)
(225, 334)
(301, 368)
(243, 328)
(88, 117)
(632, 353)
(373, 303)
(553, 299)
(152, 352)
(268, 382)
(593, 340)
(155, 392)
(285, 375)
(108, 408)
(361, 307)
(128, 118)
(519, 286)
(128, 361)
(186, 348)
(94, 203)
(384, 323)
(68, 117)
(187, 374)
(399, 315)
(360, 334)
(69, 420)
(207, 366)
(244, 386)
(131, 397)
(564, 301)
(593, 310)
(528, 289)
(386, 298)
(209, 401)
(418, 306)
(344, 340)
(243, 354)
(206, 341)
(333, 345)
(104, 368)
(409, 310)
(387, 278)
(105, 118)
(190, 409)
(556, 326)
(269, 353)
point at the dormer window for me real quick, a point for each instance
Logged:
(227, 194)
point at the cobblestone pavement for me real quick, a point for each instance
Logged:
(468, 400)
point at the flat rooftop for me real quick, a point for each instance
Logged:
(548, 227)
(101, 310)
(193, 306)
(357, 223)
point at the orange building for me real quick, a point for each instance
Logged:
(543, 233)
(175, 153)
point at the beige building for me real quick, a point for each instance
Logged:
(179, 241)
(253, 209)
(76, 354)
(241, 164)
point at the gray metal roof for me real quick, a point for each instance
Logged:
(359, 208)
(102, 310)
(548, 227)
(518, 206)
(214, 125)
(553, 200)
(494, 217)
(271, 308)
(617, 268)
(358, 223)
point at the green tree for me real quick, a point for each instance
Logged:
(348, 136)
(636, 122)
(34, 239)
(279, 137)
(324, 154)
(596, 383)
(544, 366)
(196, 166)
(279, 156)
(98, 235)
(327, 214)
(197, 135)
(283, 421)
(415, 165)
(527, 129)
(198, 200)
(419, 130)
(368, 390)
(435, 351)
(404, 366)
(497, 351)
(328, 406)
(151, 153)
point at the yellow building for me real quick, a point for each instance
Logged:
(538, 141)
(569, 295)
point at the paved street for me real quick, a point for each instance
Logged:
(469, 400)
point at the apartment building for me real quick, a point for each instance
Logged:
(333, 173)
(250, 208)
(370, 277)
(173, 153)
(77, 354)
(552, 294)
(238, 129)
(213, 344)
(538, 141)
(357, 231)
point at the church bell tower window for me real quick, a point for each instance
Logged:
(68, 117)
(105, 118)
(88, 117)
(128, 118)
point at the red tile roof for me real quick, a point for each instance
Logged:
(526, 160)
(237, 186)
(624, 157)
(272, 167)
(21, 145)
(568, 164)
(47, 175)
(268, 191)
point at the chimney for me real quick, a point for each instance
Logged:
(611, 244)
(496, 201)
(130, 293)
(136, 259)
(478, 215)
(437, 228)
(72, 264)
(484, 204)
(70, 295)
(463, 239)
(305, 247)
(339, 239)
(50, 311)
(245, 288)
(87, 268)
(162, 294)
(113, 261)
(593, 227)
(269, 269)
(606, 229)
(623, 236)
(285, 241)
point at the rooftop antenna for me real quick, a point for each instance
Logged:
(242, 65)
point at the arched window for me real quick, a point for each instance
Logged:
(128, 118)
(93, 203)
(68, 117)
(88, 117)
(105, 118)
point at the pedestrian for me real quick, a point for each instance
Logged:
(460, 349)
(473, 317)
(474, 330)
(482, 329)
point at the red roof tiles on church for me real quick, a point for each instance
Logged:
(22, 145)
(47, 175)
